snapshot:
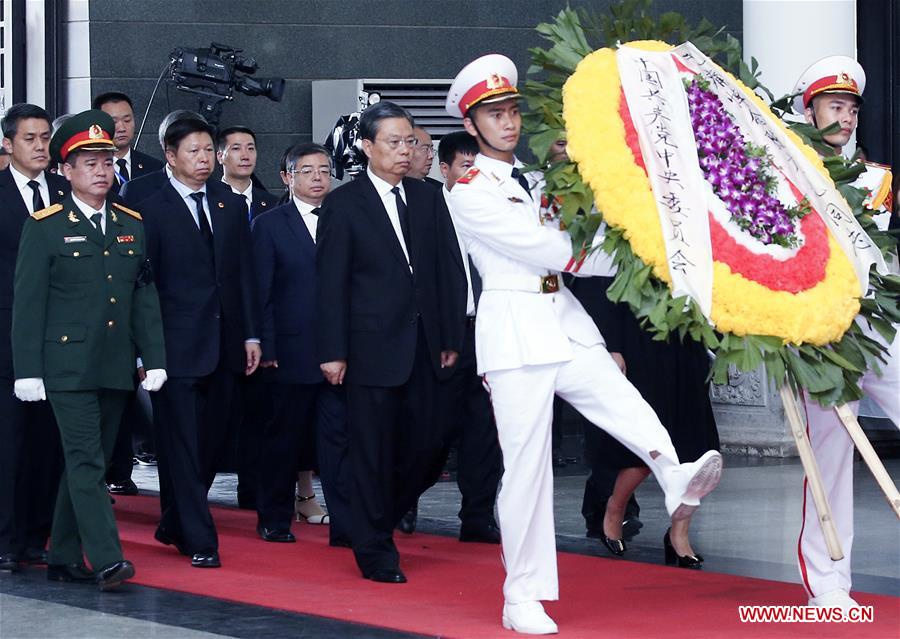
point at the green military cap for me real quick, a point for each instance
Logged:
(91, 130)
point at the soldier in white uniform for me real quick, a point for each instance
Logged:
(831, 91)
(534, 340)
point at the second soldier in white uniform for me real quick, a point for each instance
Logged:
(830, 91)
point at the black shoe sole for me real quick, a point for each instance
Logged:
(115, 580)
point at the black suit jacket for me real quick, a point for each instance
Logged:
(13, 213)
(369, 303)
(208, 310)
(140, 188)
(285, 258)
(263, 201)
(143, 164)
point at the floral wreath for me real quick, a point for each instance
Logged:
(784, 293)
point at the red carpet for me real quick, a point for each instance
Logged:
(454, 589)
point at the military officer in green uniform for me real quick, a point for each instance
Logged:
(84, 308)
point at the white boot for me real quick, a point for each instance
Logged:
(686, 484)
(834, 599)
(528, 618)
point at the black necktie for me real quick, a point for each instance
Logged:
(518, 177)
(315, 211)
(203, 223)
(123, 170)
(36, 200)
(404, 218)
(95, 218)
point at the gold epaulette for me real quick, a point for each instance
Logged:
(469, 175)
(877, 165)
(47, 212)
(127, 210)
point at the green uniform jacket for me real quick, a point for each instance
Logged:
(84, 306)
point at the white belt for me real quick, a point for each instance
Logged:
(524, 283)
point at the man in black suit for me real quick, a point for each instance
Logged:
(198, 240)
(141, 187)
(130, 163)
(30, 452)
(236, 152)
(309, 415)
(389, 310)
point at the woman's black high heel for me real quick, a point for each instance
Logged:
(615, 546)
(693, 562)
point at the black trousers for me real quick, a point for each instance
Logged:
(190, 415)
(396, 453)
(135, 435)
(31, 462)
(480, 462)
(252, 410)
(289, 439)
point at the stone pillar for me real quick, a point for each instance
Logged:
(785, 36)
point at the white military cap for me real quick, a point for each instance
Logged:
(834, 74)
(490, 78)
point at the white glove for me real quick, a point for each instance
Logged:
(30, 389)
(154, 380)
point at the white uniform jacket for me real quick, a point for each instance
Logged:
(501, 225)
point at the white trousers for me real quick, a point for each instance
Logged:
(833, 449)
(523, 408)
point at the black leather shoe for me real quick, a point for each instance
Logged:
(145, 459)
(70, 573)
(9, 562)
(408, 523)
(489, 534)
(114, 574)
(126, 487)
(271, 534)
(387, 576)
(692, 562)
(340, 543)
(631, 527)
(35, 557)
(206, 560)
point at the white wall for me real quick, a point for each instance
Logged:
(77, 80)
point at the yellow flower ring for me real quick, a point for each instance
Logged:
(811, 297)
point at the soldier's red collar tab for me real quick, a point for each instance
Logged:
(468, 175)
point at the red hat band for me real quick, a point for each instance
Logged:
(494, 84)
(93, 135)
(840, 82)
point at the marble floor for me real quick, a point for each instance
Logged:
(748, 526)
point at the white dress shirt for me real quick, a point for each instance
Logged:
(470, 296)
(390, 204)
(27, 194)
(310, 219)
(87, 211)
(185, 192)
(247, 193)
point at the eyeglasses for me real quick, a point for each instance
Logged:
(307, 171)
(394, 143)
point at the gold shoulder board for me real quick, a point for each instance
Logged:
(127, 210)
(47, 212)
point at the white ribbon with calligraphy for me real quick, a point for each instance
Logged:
(790, 161)
(659, 110)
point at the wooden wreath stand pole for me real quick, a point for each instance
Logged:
(811, 468)
(864, 446)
